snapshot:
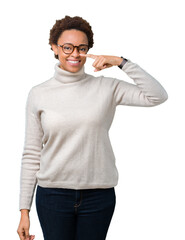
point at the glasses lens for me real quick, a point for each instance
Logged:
(67, 48)
(83, 49)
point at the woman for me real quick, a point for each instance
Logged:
(67, 147)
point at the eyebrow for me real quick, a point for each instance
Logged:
(74, 45)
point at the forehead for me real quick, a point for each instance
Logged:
(73, 36)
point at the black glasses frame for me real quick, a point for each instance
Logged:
(73, 47)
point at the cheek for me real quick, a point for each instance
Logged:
(62, 58)
(83, 60)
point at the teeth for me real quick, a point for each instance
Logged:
(73, 61)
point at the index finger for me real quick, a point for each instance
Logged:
(89, 55)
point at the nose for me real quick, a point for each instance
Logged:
(75, 52)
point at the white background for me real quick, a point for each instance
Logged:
(148, 142)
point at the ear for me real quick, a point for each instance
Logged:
(55, 49)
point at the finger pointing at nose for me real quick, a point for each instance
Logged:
(88, 55)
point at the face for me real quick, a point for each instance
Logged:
(75, 37)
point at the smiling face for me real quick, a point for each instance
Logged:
(71, 62)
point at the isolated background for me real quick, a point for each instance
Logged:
(148, 142)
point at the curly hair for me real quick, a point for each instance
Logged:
(68, 23)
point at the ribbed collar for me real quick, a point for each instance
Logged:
(68, 77)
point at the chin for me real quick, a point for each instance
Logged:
(71, 68)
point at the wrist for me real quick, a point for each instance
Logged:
(118, 61)
(124, 60)
(25, 212)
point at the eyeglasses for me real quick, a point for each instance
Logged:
(68, 48)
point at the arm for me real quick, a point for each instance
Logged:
(147, 92)
(31, 154)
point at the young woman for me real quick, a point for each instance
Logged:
(67, 147)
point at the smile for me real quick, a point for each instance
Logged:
(74, 62)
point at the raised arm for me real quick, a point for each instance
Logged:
(146, 91)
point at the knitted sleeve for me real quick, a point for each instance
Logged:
(31, 153)
(146, 91)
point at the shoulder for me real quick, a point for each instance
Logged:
(36, 91)
(107, 84)
(102, 79)
(39, 88)
(45, 84)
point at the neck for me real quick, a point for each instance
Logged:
(68, 77)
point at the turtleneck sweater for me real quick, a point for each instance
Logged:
(67, 124)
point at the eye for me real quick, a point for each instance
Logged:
(83, 49)
(67, 47)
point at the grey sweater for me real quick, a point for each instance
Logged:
(68, 118)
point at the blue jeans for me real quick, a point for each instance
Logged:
(69, 214)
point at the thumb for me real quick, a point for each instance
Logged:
(99, 69)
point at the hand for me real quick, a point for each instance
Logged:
(103, 61)
(23, 229)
